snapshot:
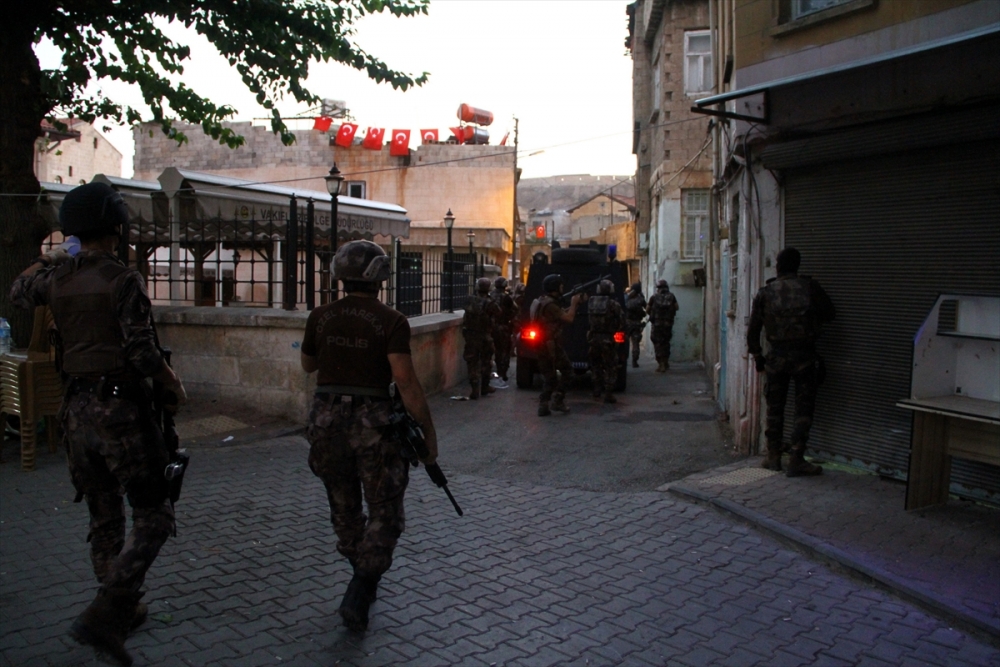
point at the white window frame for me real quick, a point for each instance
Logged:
(698, 62)
(695, 206)
(657, 86)
(354, 184)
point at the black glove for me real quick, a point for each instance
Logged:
(759, 362)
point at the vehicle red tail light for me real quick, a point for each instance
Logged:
(619, 336)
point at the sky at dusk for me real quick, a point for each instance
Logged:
(558, 66)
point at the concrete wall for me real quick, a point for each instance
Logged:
(251, 355)
(86, 156)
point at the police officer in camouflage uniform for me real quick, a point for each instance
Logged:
(359, 346)
(790, 309)
(113, 446)
(606, 318)
(502, 326)
(635, 319)
(553, 363)
(662, 308)
(478, 323)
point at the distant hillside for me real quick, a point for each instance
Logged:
(564, 192)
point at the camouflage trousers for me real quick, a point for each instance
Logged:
(113, 448)
(781, 369)
(660, 336)
(502, 349)
(552, 358)
(634, 331)
(351, 453)
(603, 356)
(478, 357)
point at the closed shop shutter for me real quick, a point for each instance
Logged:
(885, 235)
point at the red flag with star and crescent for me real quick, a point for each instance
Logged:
(427, 136)
(400, 143)
(373, 138)
(345, 135)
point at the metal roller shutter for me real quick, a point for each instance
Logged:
(885, 235)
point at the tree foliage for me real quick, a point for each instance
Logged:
(270, 44)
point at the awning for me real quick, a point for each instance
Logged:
(211, 205)
(752, 101)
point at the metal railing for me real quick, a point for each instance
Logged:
(280, 264)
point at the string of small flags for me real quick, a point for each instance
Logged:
(399, 144)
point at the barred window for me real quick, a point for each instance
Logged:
(695, 216)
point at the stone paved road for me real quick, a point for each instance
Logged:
(531, 576)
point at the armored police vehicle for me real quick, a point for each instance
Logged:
(577, 265)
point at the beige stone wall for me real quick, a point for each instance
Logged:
(250, 356)
(475, 182)
(75, 161)
(756, 20)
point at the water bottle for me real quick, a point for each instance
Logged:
(4, 336)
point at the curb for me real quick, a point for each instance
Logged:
(900, 586)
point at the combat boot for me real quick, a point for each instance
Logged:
(543, 409)
(486, 389)
(799, 467)
(666, 365)
(141, 612)
(558, 404)
(474, 394)
(635, 362)
(104, 624)
(610, 398)
(660, 368)
(772, 460)
(361, 592)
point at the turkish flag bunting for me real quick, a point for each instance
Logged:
(322, 123)
(400, 143)
(373, 138)
(427, 136)
(459, 134)
(345, 135)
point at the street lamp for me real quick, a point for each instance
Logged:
(472, 257)
(449, 222)
(333, 181)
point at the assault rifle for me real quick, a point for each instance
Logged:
(414, 446)
(583, 287)
(164, 401)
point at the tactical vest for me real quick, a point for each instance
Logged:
(477, 319)
(600, 315)
(552, 328)
(788, 313)
(84, 306)
(663, 311)
(635, 307)
(506, 306)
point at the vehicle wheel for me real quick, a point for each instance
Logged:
(622, 380)
(525, 372)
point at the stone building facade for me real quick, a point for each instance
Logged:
(75, 155)
(670, 43)
(475, 182)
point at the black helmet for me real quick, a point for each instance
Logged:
(483, 285)
(637, 287)
(552, 282)
(500, 283)
(361, 261)
(605, 287)
(93, 209)
(661, 284)
(788, 261)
